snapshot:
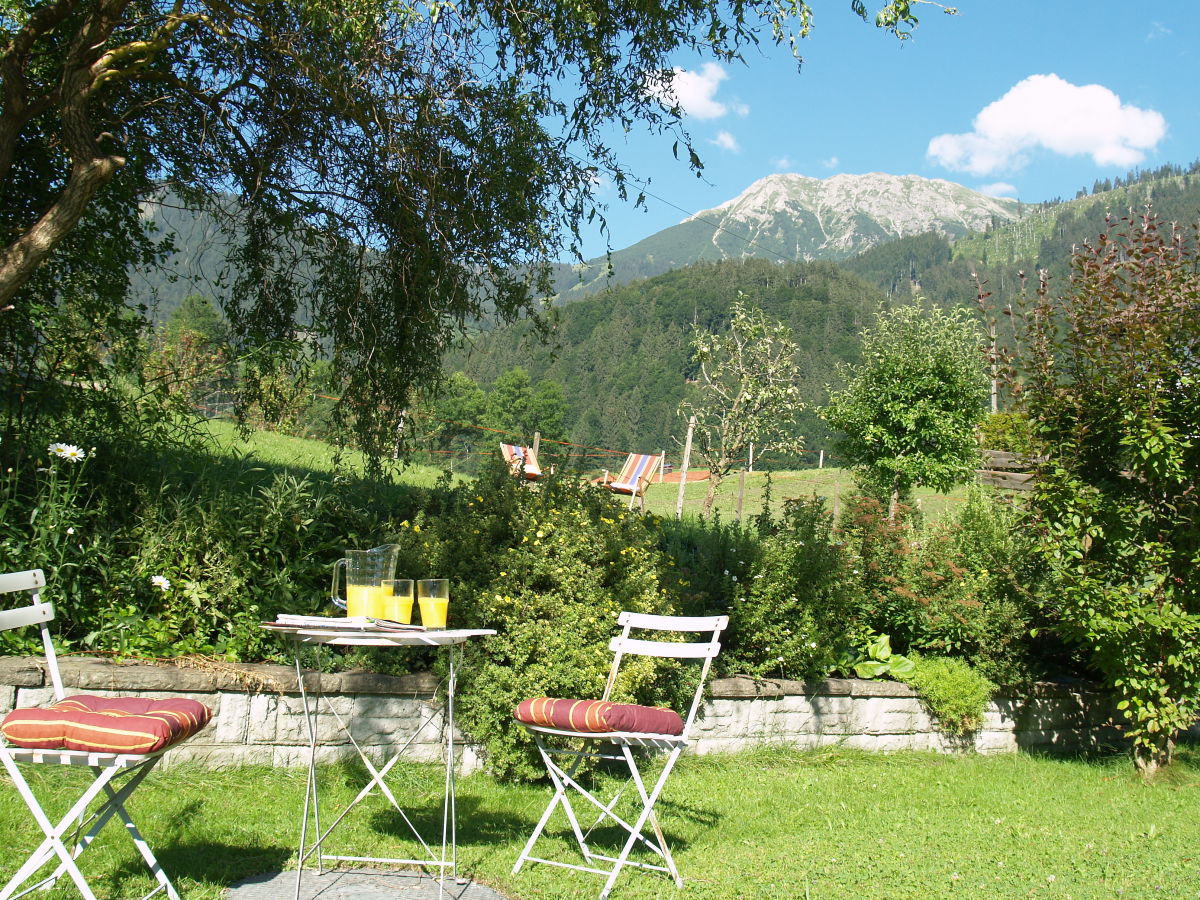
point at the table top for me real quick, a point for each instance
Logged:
(369, 636)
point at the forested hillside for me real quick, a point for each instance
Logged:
(1043, 238)
(623, 357)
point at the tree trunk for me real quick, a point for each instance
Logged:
(1149, 759)
(894, 501)
(92, 167)
(714, 480)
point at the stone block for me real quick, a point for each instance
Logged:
(23, 671)
(34, 696)
(889, 715)
(423, 685)
(232, 720)
(880, 689)
(989, 741)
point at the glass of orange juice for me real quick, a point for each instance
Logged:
(398, 602)
(433, 596)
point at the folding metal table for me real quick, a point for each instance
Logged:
(370, 636)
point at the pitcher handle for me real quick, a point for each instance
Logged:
(333, 588)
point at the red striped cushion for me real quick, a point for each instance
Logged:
(105, 724)
(593, 716)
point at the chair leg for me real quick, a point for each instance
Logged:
(564, 781)
(114, 805)
(52, 845)
(560, 780)
(635, 833)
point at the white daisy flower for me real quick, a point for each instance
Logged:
(67, 451)
(161, 582)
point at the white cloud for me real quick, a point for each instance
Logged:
(998, 189)
(726, 141)
(695, 92)
(1158, 30)
(1048, 112)
(831, 163)
(783, 163)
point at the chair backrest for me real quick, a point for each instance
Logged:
(638, 470)
(521, 460)
(705, 650)
(35, 613)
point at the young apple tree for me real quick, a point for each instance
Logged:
(746, 392)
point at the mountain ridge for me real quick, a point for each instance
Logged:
(791, 217)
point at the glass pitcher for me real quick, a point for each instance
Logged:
(366, 572)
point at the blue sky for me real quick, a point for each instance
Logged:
(1020, 98)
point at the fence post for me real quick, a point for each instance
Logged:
(821, 461)
(751, 460)
(537, 442)
(683, 469)
(741, 497)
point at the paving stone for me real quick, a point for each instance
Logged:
(357, 884)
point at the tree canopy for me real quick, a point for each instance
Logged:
(746, 391)
(391, 170)
(908, 411)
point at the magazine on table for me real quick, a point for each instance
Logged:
(341, 623)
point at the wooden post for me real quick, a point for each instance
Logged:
(821, 461)
(537, 442)
(683, 469)
(751, 460)
(995, 371)
(741, 497)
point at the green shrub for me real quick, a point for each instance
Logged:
(709, 561)
(956, 694)
(549, 566)
(967, 586)
(794, 612)
(156, 555)
(1012, 432)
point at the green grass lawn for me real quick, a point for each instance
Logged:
(830, 483)
(823, 825)
(274, 449)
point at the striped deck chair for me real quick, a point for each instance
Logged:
(635, 477)
(522, 461)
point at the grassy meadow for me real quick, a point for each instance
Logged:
(821, 825)
(274, 449)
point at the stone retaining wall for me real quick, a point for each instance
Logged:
(258, 713)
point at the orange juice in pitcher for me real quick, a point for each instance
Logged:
(366, 572)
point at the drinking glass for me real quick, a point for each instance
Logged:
(398, 601)
(433, 596)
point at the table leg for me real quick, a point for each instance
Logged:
(449, 801)
(310, 788)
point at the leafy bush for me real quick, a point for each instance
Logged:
(1009, 431)
(965, 587)
(709, 561)
(874, 660)
(956, 694)
(158, 556)
(1110, 379)
(795, 610)
(549, 566)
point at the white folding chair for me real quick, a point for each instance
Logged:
(615, 730)
(119, 738)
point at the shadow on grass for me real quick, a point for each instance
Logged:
(207, 862)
